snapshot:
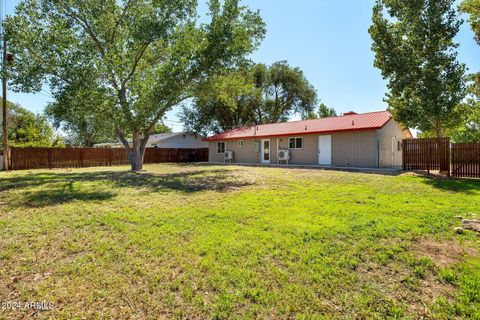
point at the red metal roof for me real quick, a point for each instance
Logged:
(350, 122)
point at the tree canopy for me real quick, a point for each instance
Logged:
(323, 112)
(468, 129)
(27, 129)
(414, 47)
(472, 7)
(249, 95)
(81, 112)
(141, 57)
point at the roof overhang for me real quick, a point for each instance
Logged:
(301, 133)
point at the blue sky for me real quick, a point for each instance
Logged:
(327, 39)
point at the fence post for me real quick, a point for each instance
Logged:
(49, 158)
(81, 157)
(448, 160)
(429, 156)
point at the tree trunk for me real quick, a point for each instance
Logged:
(438, 129)
(135, 154)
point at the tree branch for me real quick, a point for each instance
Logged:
(88, 29)
(117, 23)
(137, 59)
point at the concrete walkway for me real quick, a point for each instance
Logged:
(390, 171)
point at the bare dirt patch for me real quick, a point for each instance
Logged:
(443, 253)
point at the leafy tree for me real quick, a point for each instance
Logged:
(323, 112)
(224, 102)
(285, 91)
(472, 7)
(27, 129)
(161, 128)
(81, 112)
(468, 129)
(142, 56)
(250, 95)
(415, 50)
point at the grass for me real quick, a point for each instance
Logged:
(226, 242)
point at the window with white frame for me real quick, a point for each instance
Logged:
(240, 143)
(295, 143)
(221, 147)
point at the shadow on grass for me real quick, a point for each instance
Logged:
(58, 196)
(467, 186)
(58, 187)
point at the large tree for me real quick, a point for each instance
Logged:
(27, 129)
(414, 47)
(472, 7)
(285, 91)
(224, 102)
(253, 94)
(323, 112)
(83, 114)
(468, 129)
(143, 56)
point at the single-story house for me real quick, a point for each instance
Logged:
(368, 140)
(177, 140)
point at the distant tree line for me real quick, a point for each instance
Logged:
(27, 129)
(250, 95)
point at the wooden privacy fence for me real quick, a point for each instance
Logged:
(426, 154)
(466, 160)
(457, 159)
(38, 158)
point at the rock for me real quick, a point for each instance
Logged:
(468, 221)
(472, 226)
(459, 230)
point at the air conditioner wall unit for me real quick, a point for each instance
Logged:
(284, 155)
(228, 156)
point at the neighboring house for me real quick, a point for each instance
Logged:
(109, 145)
(369, 140)
(177, 140)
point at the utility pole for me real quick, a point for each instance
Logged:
(6, 154)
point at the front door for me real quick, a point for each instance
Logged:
(265, 151)
(325, 150)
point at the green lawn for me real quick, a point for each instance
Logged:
(203, 242)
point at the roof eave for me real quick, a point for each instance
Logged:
(214, 138)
